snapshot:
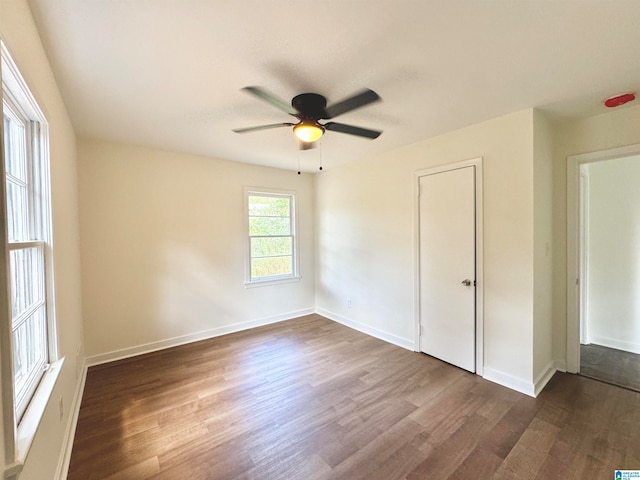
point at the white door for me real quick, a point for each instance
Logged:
(447, 266)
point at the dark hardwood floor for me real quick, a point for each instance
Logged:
(312, 399)
(610, 365)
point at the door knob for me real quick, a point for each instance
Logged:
(466, 282)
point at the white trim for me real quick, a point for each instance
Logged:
(616, 344)
(63, 462)
(584, 248)
(541, 380)
(28, 427)
(573, 239)
(477, 163)
(373, 332)
(514, 383)
(13, 81)
(194, 337)
(295, 275)
(275, 281)
(12, 471)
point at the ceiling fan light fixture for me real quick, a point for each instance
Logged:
(308, 132)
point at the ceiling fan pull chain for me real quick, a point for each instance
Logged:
(320, 156)
(298, 162)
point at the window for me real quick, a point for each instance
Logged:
(28, 239)
(272, 239)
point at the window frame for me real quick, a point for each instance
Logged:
(294, 276)
(26, 417)
(33, 184)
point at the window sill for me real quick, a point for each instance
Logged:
(30, 422)
(275, 281)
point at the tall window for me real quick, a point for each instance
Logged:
(272, 240)
(28, 237)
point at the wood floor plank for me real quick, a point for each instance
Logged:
(558, 462)
(379, 454)
(530, 452)
(311, 399)
(140, 471)
(480, 463)
(452, 452)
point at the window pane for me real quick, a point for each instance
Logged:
(269, 206)
(17, 212)
(15, 139)
(29, 351)
(269, 266)
(269, 247)
(269, 226)
(26, 279)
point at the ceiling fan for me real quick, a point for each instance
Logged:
(309, 109)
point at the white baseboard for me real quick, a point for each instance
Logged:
(560, 365)
(374, 332)
(617, 344)
(521, 385)
(544, 377)
(194, 337)
(514, 383)
(70, 433)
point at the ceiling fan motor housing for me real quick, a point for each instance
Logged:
(310, 105)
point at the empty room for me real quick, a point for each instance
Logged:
(320, 240)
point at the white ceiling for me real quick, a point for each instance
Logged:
(168, 73)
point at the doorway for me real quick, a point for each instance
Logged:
(449, 287)
(604, 266)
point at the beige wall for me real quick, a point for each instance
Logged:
(365, 239)
(600, 132)
(19, 33)
(543, 358)
(163, 248)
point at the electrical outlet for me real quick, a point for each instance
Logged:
(61, 408)
(349, 303)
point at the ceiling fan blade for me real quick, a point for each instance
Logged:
(272, 99)
(352, 130)
(356, 101)
(262, 127)
(307, 145)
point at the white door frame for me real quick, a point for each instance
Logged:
(583, 247)
(573, 244)
(477, 162)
